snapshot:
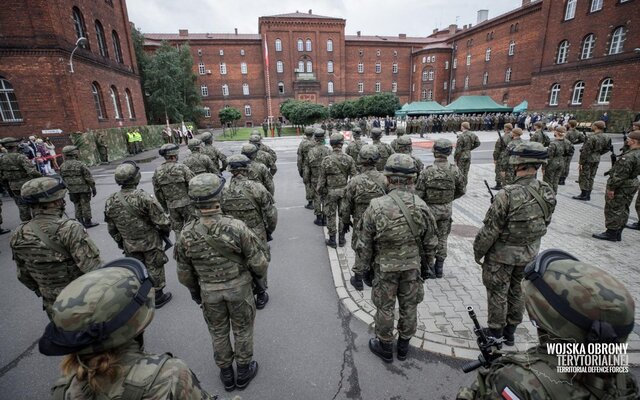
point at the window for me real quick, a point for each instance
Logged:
(455, 63)
(300, 45)
(117, 112)
(394, 68)
(512, 48)
(278, 45)
(330, 67)
(117, 50)
(309, 66)
(605, 91)
(446, 65)
(245, 89)
(281, 87)
(360, 68)
(414, 68)
(588, 44)
(129, 100)
(555, 92)
(308, 45)
(378, 67)
(243, 68)
(329, 45)
(578, 92)
(360, 87)
(223, 68)
(445, 85)
(423, 95)
(207, 112)
(241, 52)
(102, 42)
(570, 11)
(433, 58)
(425, 75)
(487, 54)
(430, 95)
(80, 27)
(517, 28)
(98, 102)
(377, 87)
(424, 59)
(507, 75)
(247, 110)
(394, 87)
(428, 59)
(466, 82)
(596, 5)
(204, 90)
(330, 87)
(430, 74)
(300, 66)
(201, 68)
(468, 59)
(225, 90)
(617, 40)
(279, 67)
(453, 84)
(221, 52)
(378, 53)
(395, 53)
(563, 52)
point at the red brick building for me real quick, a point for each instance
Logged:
(40, 94)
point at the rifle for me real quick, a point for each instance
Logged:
(486, 345)
(167, 242)
(613, 156)
(490, 192)
(501, 139)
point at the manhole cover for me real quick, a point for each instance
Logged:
(464, 230)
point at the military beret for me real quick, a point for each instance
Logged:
(635, 135)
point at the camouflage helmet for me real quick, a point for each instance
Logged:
(318, 134)
(206, 188)
(401, 165)
(255, 138)
(442, 146)
(400, 130)
(574, 300)
(369, 154)
(238, 161)
(376, 133)
(356, 131)
(255, 132)
(101, 310)
(195, 144)
(169, 149)
(336, 139)
(528, 153)
(127, 173)
(249, 149)
(43, 190)
(10, 142)
(206, 137)
(308, 131)
(70, 151)
(404, 142)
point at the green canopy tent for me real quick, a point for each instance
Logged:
(522, 107)
(476, 104)
(422, 108)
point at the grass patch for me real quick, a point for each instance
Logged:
(242, 134)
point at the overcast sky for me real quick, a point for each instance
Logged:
(372, 17)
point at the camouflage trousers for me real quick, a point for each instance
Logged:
(616, 210)
(104, 155)
(567, 167)
(179, 217)
(332, 205)
(509, 176)
(463, 165)
(442, 214)
(552, 177)
(223, 310)
(155, 261)
(82, 204)
(1, 213)
(317, 199)
(309, 191)
(638, 206)
(407, 287)
(587, 175)
(498, 174)
(504, 293)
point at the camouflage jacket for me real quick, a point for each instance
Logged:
(540, 137)
(335, 171)
(466, 142)
(386, 239)
(418, 162)
(505, 155)
(268, 150)
(203, 269)
(595, 146)
(359, 192)
(500, 147)
(174, 380)
(303, 151)
(314, 159)
(200, 163)
(15, 170)
(218, 157)
(440, 183)
(385, 152)
(557, 152)
(624, 173)
(140, 231)
(265, 158)
(252, 204)
(575, 136)
(258, 172)
(43, 269)
(353, 149)
(515, 223)
(171, 184)
(76, 176)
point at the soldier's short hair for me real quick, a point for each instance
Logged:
(508, 126)
(516, 131)
(538, 124)
(600, 125)
(573, 123)
(465, 125)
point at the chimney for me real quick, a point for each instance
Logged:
(183, 32)
(309, 11)
(483, 15)
(236, 29)
(453, 28)
(526, 2)
(470, 25)
(435, 30)
(464, 27)
(358, 33)
(402, 35)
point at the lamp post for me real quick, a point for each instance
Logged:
(80, 42)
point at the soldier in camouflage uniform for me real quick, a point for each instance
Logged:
(118, 297)
(251, 203)
(2, 230)
(587, 294)
(258, 171)
(170, 185)
(80, 183)
(635, 127)
(15, 170)
(466, 142)
(198, 162)
(558, 150)
(218, 257)
(218, 157)
(103, 147)
(136, 221)
(594, 146)
(335, 171)
(574, 136)
(51, 250)
(256, 140)
(303, 150)
(312, 173)
(393, 226)
(263, 157)
(404, 146)
(539, 135)
(384, 149)
(508, 173)
(394, 143)
(367, 185)
(621, 187)
(353, 148)
(510, 238)
(498, 150)
(438, 185)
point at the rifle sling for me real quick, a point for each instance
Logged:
(541, 202)
(47, 240)
(219, 248)
(407, 216)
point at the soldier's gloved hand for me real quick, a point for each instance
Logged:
(93, 192)
(356, 282)
(195, 296)
(269, 237)
(367, 277)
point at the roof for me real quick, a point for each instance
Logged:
(470, 104)
(298, 14)
(422, 107)
(202, 36)
(390, 39)
(522, 107)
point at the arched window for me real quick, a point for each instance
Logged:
(247, 110)
(466, 82)
(278, 45)
(512, 47)
(430, 95)
(604, 95)
(245, 89)
(329, 45)
(115, 100)
(431, 75)
(307, 45)
(588, 44)
(330, 67)
(300, 66)
(80, 27)
(563, 52)
(9, 110)
(555, 93)
(102, 42)
(617, 40)
(578, 92)
(570, 11)
(487, 54)
(425, 75)
(300, 45)
(485, 78)
(330, 87)
(97, 100)
(517, 27)
(309, 66)
(117, 51)
(507, 75)
(279, 67)
(281, 87)
(130, 109)
(243, 68)
(424, 94)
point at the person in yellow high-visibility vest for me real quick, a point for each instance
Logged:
(138, 141)
(131, 139)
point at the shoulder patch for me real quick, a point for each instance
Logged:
(508, 394)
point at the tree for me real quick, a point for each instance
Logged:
(303, 113)
(378, 105)
(229, 116)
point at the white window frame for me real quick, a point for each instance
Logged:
(300, 66)
(330, 87)
(578, 93)
(468, 59)
(423, 94)
(430, 95)
(243, 68)
(433, 59)
(554, 94)
(455, 63)
(329, 45)
(604, 93)
(570, 11)
(512, 47)
(114, 102)
(394, 68)
(278, 45)
(361, 68)
(425, 75)
(281, 85)
(485, 78)
(431, 74)
(207, 112)
(507, 75)
(247, 110)
(424, 59)
(245, 89)
(394, 87)
(221, 52)
(487, 54)
(453, 84)
(446, 65)
(596, 5)
(300, 45)
(307, 45)
(617, 40)
(279, 67)
(378, 87)
(5, 98)
(563, 52)
(202, 68)
(223, 68)
(378, 67)
(378, 53)
(127, 100)
(588, 44)
(445, 85)
(225, 90)
(309, 66)
(360, 87)
(330, 67)
(204, 90)
(466, 82)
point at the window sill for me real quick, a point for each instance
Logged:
(132, 119)
(8, 123)
(103, 119)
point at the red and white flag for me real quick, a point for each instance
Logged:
(266, 52)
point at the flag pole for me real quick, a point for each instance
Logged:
(266, 62)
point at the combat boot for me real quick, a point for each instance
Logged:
(403, 348)
(262, 299)
(610, 235)
(619, 234)
(438, 266)
(588, 195)
(384, 350)
(324, 220)
(561, 181)
(494, 333)
(582, 196)
(341, 240)
(635, 226)
(509, 334)
(88, 223)
(331, 242)
(356, 282)
(318, 220)
(309, 205)
(246, 373)
(162, 298)
(228, 378)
